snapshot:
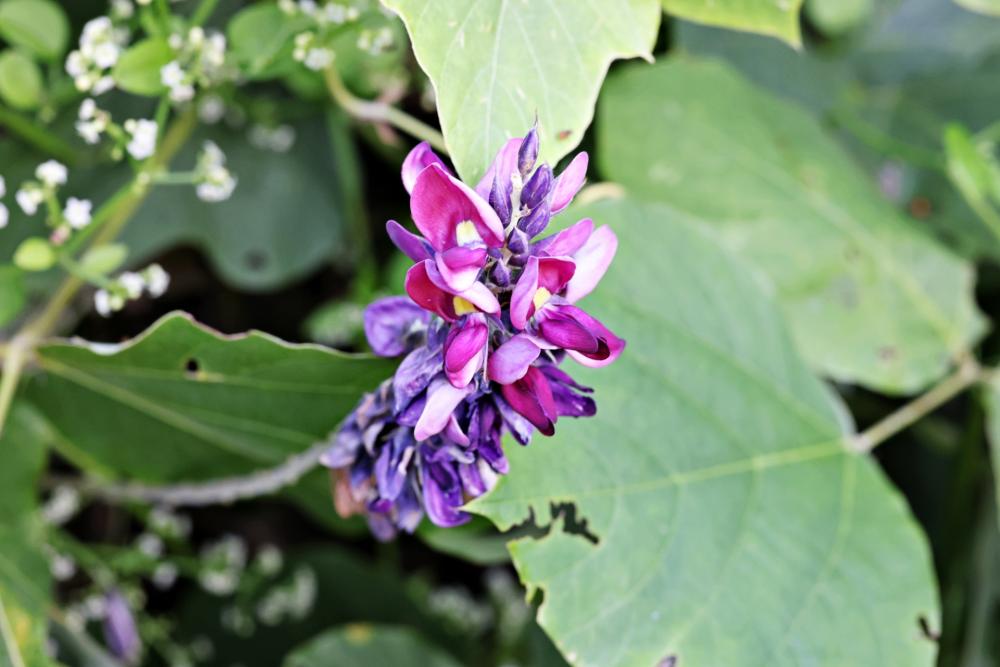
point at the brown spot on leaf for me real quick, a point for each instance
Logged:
(563, 135)
(920, 207)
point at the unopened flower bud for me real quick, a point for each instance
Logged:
(537, 188)
(528, 153)
(501, 274)
(500, 201)
(518, 242)
(535, 222)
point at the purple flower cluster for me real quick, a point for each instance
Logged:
(489, 317)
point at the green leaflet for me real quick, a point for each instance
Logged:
(715, 482)
(366, 645)
(777, 18)
(184, 403)
(496, 65)
(870, 298)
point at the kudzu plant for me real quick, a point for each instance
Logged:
(685, 362)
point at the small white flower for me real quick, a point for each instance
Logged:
(122, 8)
(157, 280)
(106, 303)
(88, 109)
(62, 567)
(132, 283)
(287, 6)
(95, 607)
(150, 545)
(172, 74)
(102, 85)
(217, 183)
(318, 59)
(76, 64)
(77, 212)
(51, 173)
(184, 93)
(4, 216)
(29, 198)
(61, 506)
(143, 3)
(143, 142)
(164, 575)
(3, 186)
(211, 109)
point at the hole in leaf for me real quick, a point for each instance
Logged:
(669, 661)
(573, 524)
(926, 630)
(192, 366)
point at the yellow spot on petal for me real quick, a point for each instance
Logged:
(463, 307)
(466, 233)
(542, 297)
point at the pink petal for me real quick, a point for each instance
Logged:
(455, 432)
(504, 164)
(442, 399)
(562, 329)
(521, 305)
(411, 244)
(465, 349)
(569, 240)
(569, 182)
(440, 202)
(480, 296)
(426, 294)
(531, 397)
(611, 345)
(592, 261)
(555, 272)
(510, 361)
(421, 157)
(460, 266)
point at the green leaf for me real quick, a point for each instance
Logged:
(12, 293)
(138, 69)
(778, 18)
(206, 405)
(39, 26)
(495, 65)
(25, 594)
(991, 7)
(732, 525)
(837, 17)
(260, 38)
(20, 80)
(35, 254)
(362, 645)
(991, 401)
(284, 219)
(103, 259)
(870, 298)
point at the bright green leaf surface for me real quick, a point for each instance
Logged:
(836, 17)
(368, 645)
(261, 40)
(20, 80)
(870, 299)
(495, 64)
(11, 292)
(24, 572)
(37, 25)
(982, 6)
(778, 18)
(138, 70)
(733, 527)
(206, 405)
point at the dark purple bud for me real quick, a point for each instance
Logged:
(500, 200)
(120, 631)
(500, 274)
(537, 188)
(394, 325)
(527, 154)
(536, 221)
(517, 242)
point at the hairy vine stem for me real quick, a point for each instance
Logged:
(107, 224)
(380, 112)
(213, 492)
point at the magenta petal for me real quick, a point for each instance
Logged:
(480, 296)
(455, 432)
(510, 361)
(465, 349)
(460, 266)
(569, 182)
(504, 165)
(562, 329)
(592, 262)
(610, 348)
(531, 397)
(524, 293)
(555, 272)
(440, 202)
(442, 399)
(568, 241)
(425, 293)
(421, 157)
(412, 245)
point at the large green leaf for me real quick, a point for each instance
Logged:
(991, 7)
(24, 574)
(40, 26)
(732, 526)
(366, 645)
(870, 298)
(496, 65)
(182, 402)
(778, 18)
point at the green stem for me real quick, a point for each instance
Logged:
(969, 373)
(125, 204)
(37, 136)
(379, 112)
(203, 12)
(885, 144)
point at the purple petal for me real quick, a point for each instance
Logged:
(442, 495)
(609, 348)
(555, 272)
(592, 262)
(537, 188)
(391, 464)
(409, 511)
(568, 241)
(381, 526)
(421, 157)
(511, 360)
(414, 375)
(519, 427)
(521, 301)
(527, 152)
(532, 398)
(465, 349)
(442, 399)
(569, 403)
(502, 169)
(562, 329)
(409, 243)
(389, 323)
(120, 632)
(440, 202)
(460, 266)
(569, 182)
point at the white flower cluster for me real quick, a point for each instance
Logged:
(223, 564)
(291, 601)
(215, 182)
(61, 506)
(139, 136)
(92, 121)
(101, 44)
(129, 286)
(51, 175)
(142, 138)
(201, 58)
(376, 42)
(311, 53)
